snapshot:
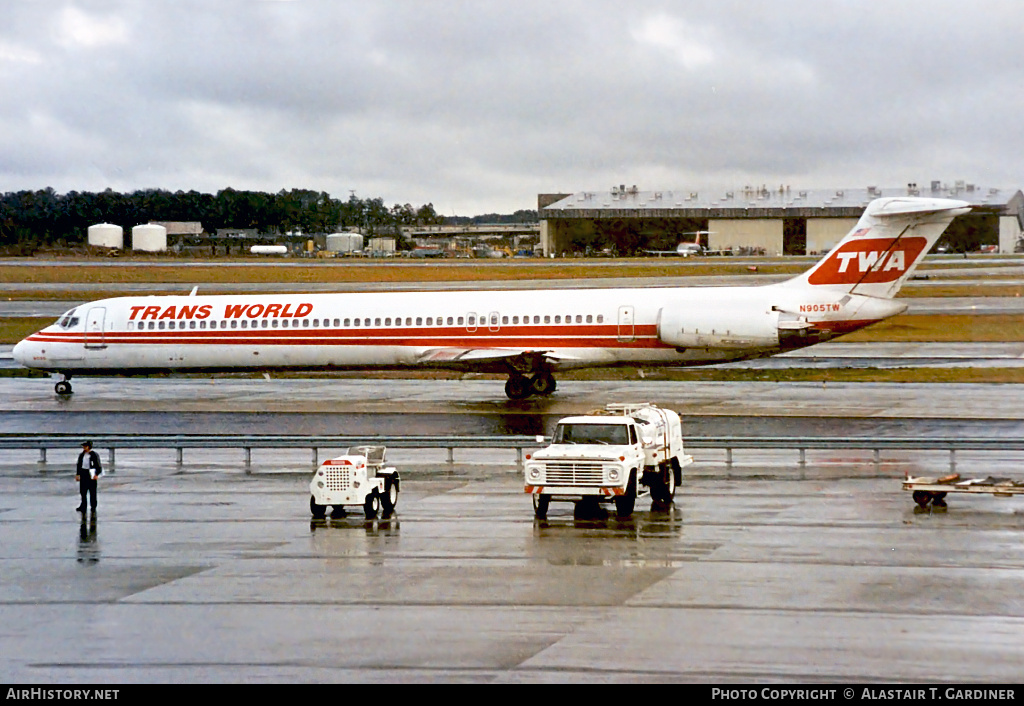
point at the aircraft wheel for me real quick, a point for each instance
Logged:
(371, 508)
(63, 388)
(543, 384)
(624, 504)
(319, 511)
(541, 501)
(518, 388)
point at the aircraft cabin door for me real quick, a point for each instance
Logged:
(471, 321)
(94, 324)
(493, 322)
(627, 330)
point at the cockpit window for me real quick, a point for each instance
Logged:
(69, 320)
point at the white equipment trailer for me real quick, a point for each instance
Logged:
(929, 490)
(615, 454)
(357, 478)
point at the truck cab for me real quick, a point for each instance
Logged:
(616, 454)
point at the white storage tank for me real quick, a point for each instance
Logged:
(344, 242)
(106, 235)
(149, 237)
(268, 250)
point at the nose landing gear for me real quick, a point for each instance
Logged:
(63, 388)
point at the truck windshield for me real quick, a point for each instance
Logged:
(614, 434)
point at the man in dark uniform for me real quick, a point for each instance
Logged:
(86, 473)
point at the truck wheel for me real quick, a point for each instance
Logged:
(372, 506)
(664, 488)
(319, 511)
(922, 498)
(541, 501)
(390, 496)
(624, 503)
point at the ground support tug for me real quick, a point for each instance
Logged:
(615, 454)
(930, 490)
(357, 478)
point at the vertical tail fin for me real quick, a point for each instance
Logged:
(880, 253)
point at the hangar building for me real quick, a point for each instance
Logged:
(756, 220)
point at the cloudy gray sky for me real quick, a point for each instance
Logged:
(479, 106)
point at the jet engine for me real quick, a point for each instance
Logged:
(722, 328)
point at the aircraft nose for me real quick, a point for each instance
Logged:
(21, 353)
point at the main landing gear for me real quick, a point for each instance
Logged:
(529, 374)
(519, 387)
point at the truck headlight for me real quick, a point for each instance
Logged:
(534, 473)
(613, 475)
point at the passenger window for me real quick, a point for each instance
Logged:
(460, 321)
(558, 319)
(191, 324)
(355, 322)
(600, 318)
(419, 320)
(376, 322)
(504, 320)
(387, 321)
(430, 321)
(536, 319)
(274, 324)
(547, 319)
(450, 322)
(590, 318)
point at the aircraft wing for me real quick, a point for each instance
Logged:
(487, 359)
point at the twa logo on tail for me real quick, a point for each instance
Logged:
(869, 261)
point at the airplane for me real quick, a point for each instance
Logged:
(526, 335)
(685, 249)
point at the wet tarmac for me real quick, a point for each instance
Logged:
(767, 576)
(764, 571)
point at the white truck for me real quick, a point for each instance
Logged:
(358, 477)
(616, 454)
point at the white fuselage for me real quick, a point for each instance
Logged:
(575, 328)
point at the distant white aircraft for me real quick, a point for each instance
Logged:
(685, 249)
(527, 335)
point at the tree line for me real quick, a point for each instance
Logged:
(44, 217)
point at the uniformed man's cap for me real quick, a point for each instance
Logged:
(87, 443)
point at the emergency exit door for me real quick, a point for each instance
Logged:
(627, 330)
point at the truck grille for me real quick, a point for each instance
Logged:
(337, 478)
(574, 472)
